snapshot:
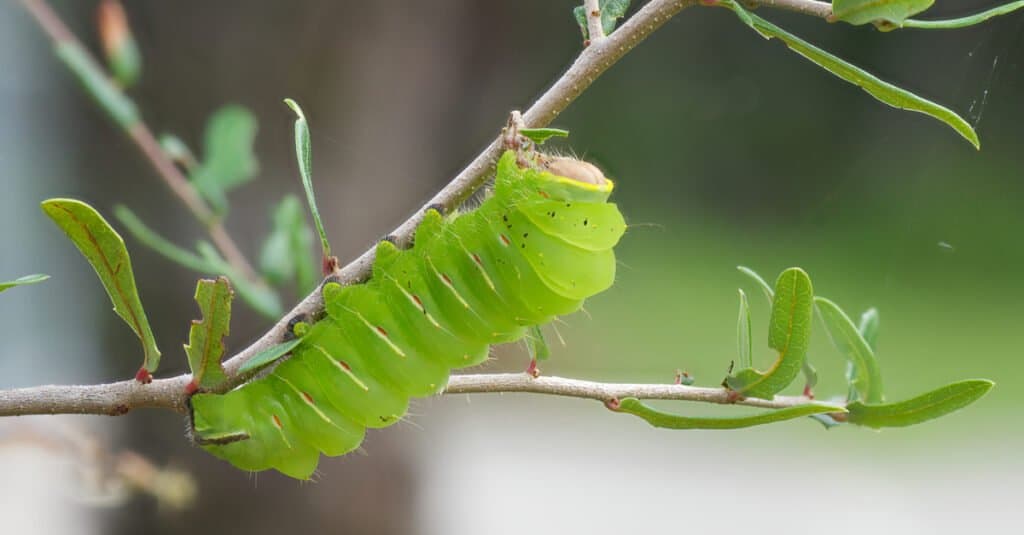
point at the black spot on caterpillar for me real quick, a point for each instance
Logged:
(467, 283)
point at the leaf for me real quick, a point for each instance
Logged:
(881, 90)
(205, 345)
(537, 344)
(105, 251)
(228, 158)
(931, 405)
(22, 281)
(768, 292)
(286, 252)
(268, 356)
(165, 248)
(119, 46)
(870, 322)
(866, 11)
(867, 379)
(261, 298)
(540, 135)
(304, 154)
(963, 22)
(673, 421)
(744, 340)
(789, 333)
(108, 96)
(178, 151)
(611, 12)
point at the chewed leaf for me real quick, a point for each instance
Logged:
(22, 281)
(938, 402)
(105, 251)
(961, 22)
(789, 333)
(205, 338)
(269, 355)
(228, 157)
(867, 11)
(304, 154)
(880, 89)
(674, 421)
(540, 135)
(867, 380)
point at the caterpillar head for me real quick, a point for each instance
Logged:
(574, 169)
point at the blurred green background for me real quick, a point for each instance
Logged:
(727, 150)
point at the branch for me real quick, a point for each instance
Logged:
(143, 138)
(121, 397)
(813, 8)
(115, 399)
(595, 30)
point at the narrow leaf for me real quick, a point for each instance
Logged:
(261, 298)
(540, 135)
(537, 344)
(674, 421)
(205, 345)
(925, 407)
(110, 98)
(286, 253)
(304, 154)
(611, 12)
(881, 90)
(744, 340)
(964, 22)
(165, 248)
(866, 11)
(768, 292)
(870, 322)
(228, 157)
(789, 333)
(867, 379)
(22, 281)
(105, 251)
(268, 356)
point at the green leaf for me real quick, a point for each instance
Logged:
(105, 251)
(789, 333)
(870, 322)
(261, 298)
(540, 135)
(963, 22)
(537, 344)
(22, 281)
(178, 151)
(867, 380)
(768, 292)
(304, 154)
(205, 345)
(286, 252)
(268, 356)
(744, 340)
(674, 421)
(109, 97)
(611, 12)
(165, 248)
(119, 46)
(931, 405)
(228, 158)
(881, 90)
(866, 11)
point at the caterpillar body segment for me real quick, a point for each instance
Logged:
(533, 250)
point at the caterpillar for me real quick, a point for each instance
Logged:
(534, 249)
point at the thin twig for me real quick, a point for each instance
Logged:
(595, 30)
(813, 8)
(120, 397)
(114, 399)
(143, 137)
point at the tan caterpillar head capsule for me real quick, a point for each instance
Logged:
(574, 169)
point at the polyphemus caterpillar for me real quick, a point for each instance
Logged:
(538, 246)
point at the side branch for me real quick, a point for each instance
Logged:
(115, 399)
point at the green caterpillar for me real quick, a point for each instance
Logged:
(533, 250)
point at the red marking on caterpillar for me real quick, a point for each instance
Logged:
(345, 365)
(446, 279)
(544, 194)
(504, 239)
(309, 398)
(381, 330)
(418, 301)
(476, 259)
(277, 421)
